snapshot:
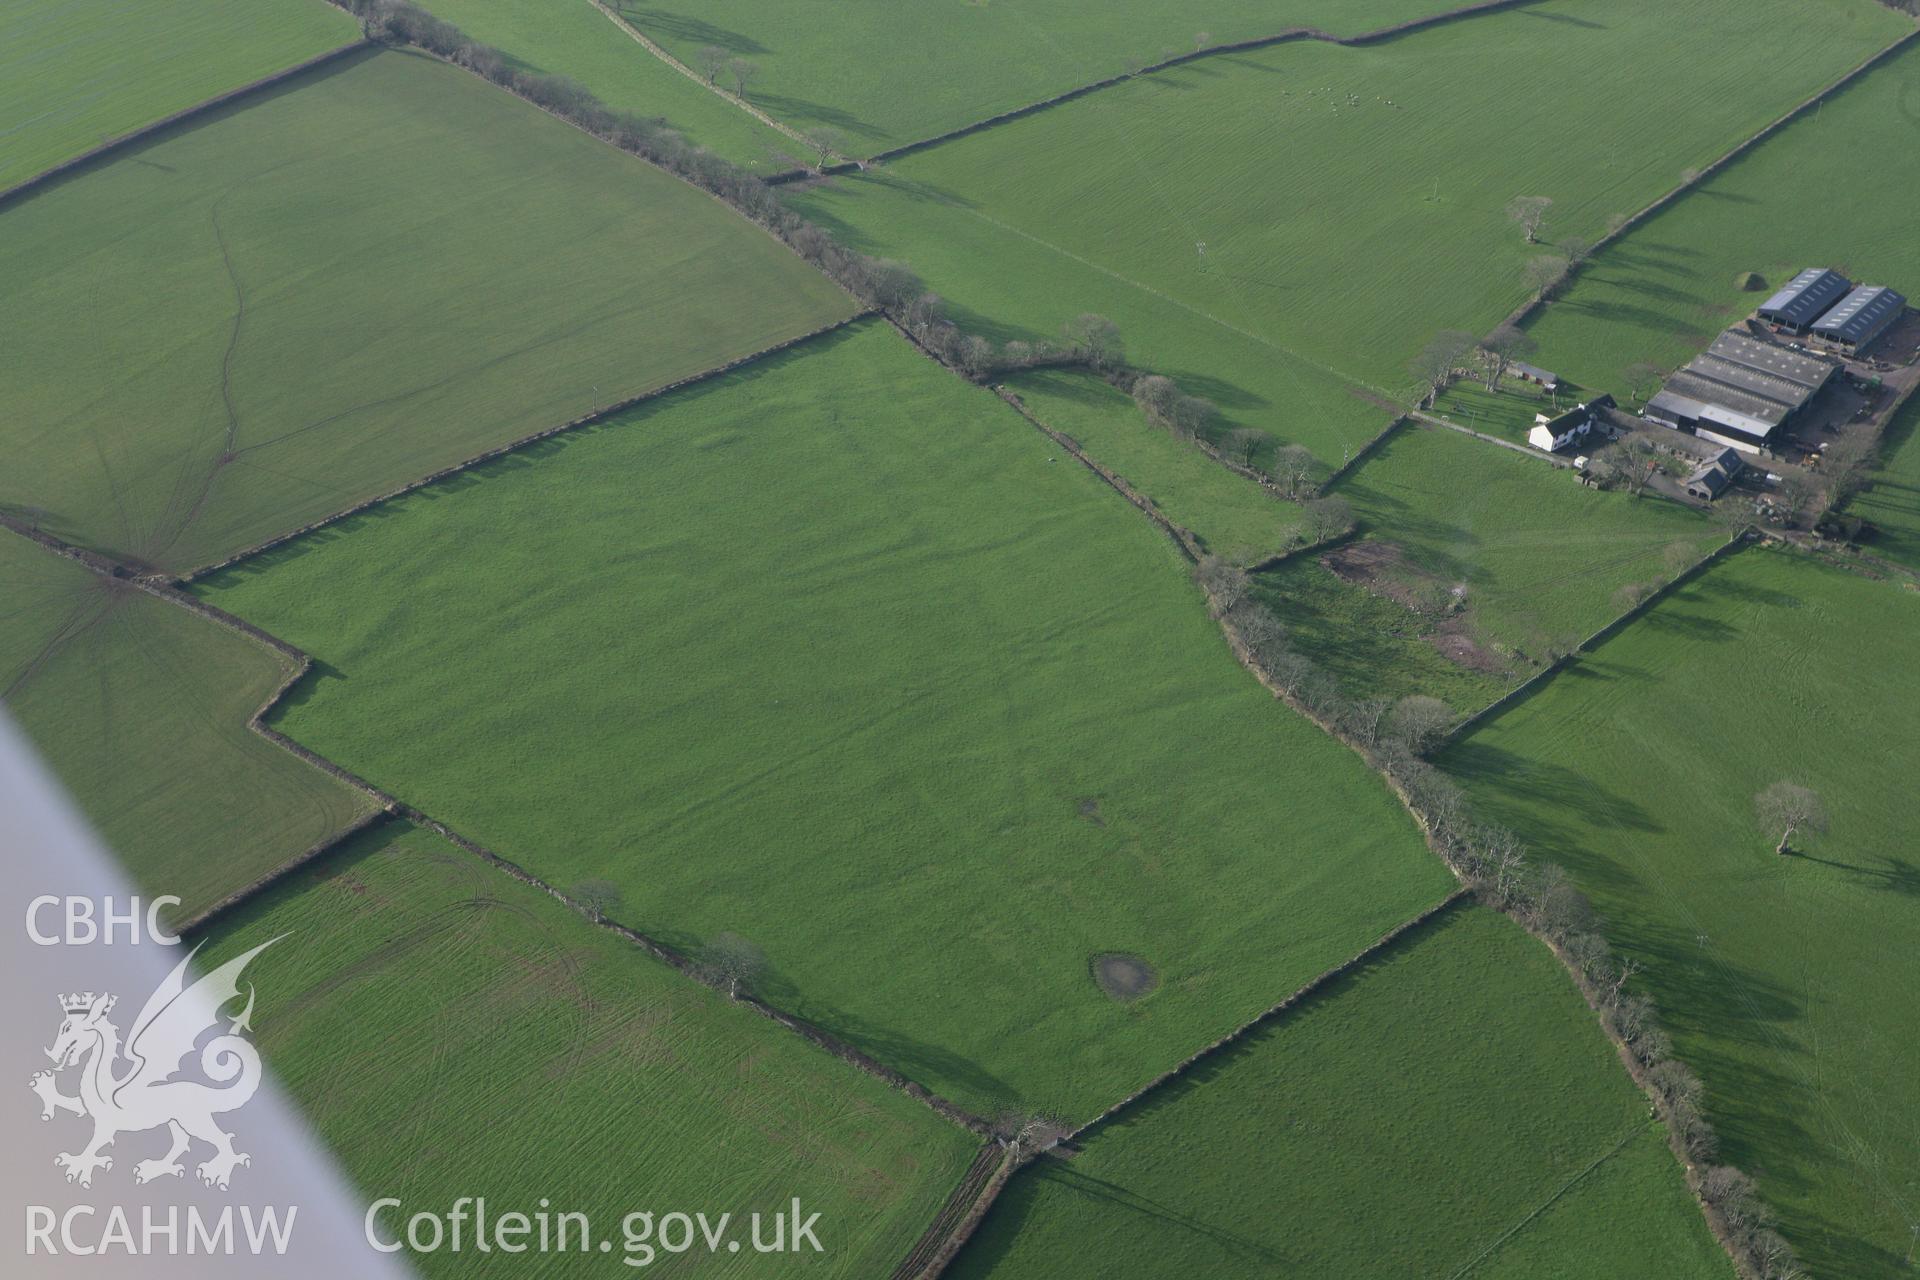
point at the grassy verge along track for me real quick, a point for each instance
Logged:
(1516, 1148)
(75, 76)
(342, 284)
(452, 1032)
(142, 709)
(838, 654)
(1636, 768)
(573, 39)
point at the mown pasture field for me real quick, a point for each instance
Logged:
(312, 297)
(74, 76)
(576, 40)
(452, 1032)
(1542, 559)
(1833, 188)
(1410, 1119)
(1786, 982)
(884, 74)
(1284, 222)
(1232, 516)
(839, 654)
(142, 709)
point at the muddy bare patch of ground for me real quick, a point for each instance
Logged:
(1454, 639)
(1124, 976)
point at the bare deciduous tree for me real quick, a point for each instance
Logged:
(730, 962)
(1530, 212)
(1544, 272)
(598, 898)
(1789, 808)
(1501, 348)
(1328, 517)
(712, 60)
(1242, 445)
(1846, 464)
(1190, 415)
(826, 143)
(1637, 461)
(1293, 469)
(1437, 362)
(742, 72)
(1095, 339)
(1224, 582)
(1420, 722)
(1156, 396)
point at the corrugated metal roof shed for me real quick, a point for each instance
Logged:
(1806, 297)
(1694, 387)
(1862, 314)
(1808, 371)
(1789, 395)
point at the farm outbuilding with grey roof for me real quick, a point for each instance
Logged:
(1806, 298)
(1862, 316)
(1739, 391)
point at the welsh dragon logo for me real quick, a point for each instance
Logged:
(132, 1087)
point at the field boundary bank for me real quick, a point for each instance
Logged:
(1364, 452)
(67, 167)
(1533, 683)
(1182, 537)
(1529, 309)
(961, 1215)
(668, 955)
(1292, 35)
(514, 446)
(1273, 1012)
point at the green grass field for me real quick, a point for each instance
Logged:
(1541, 557)
(1007, 284)
(142, 708)
(1375, 646)
(574, 39)
(74, 76)
(841, 655)
(1661, 293)
(1349, 229)
(1350, 201)
(1409, 1120)
(1786, 981)
(1233, 516)
(521, 1054)
(1893, 503)
(344, 285)
(884, 74)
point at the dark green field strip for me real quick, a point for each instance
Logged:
(75, 76)
(370, 274)
(142, 709)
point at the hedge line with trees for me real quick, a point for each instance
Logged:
(1394, 736)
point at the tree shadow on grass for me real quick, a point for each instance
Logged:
(661, 22)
